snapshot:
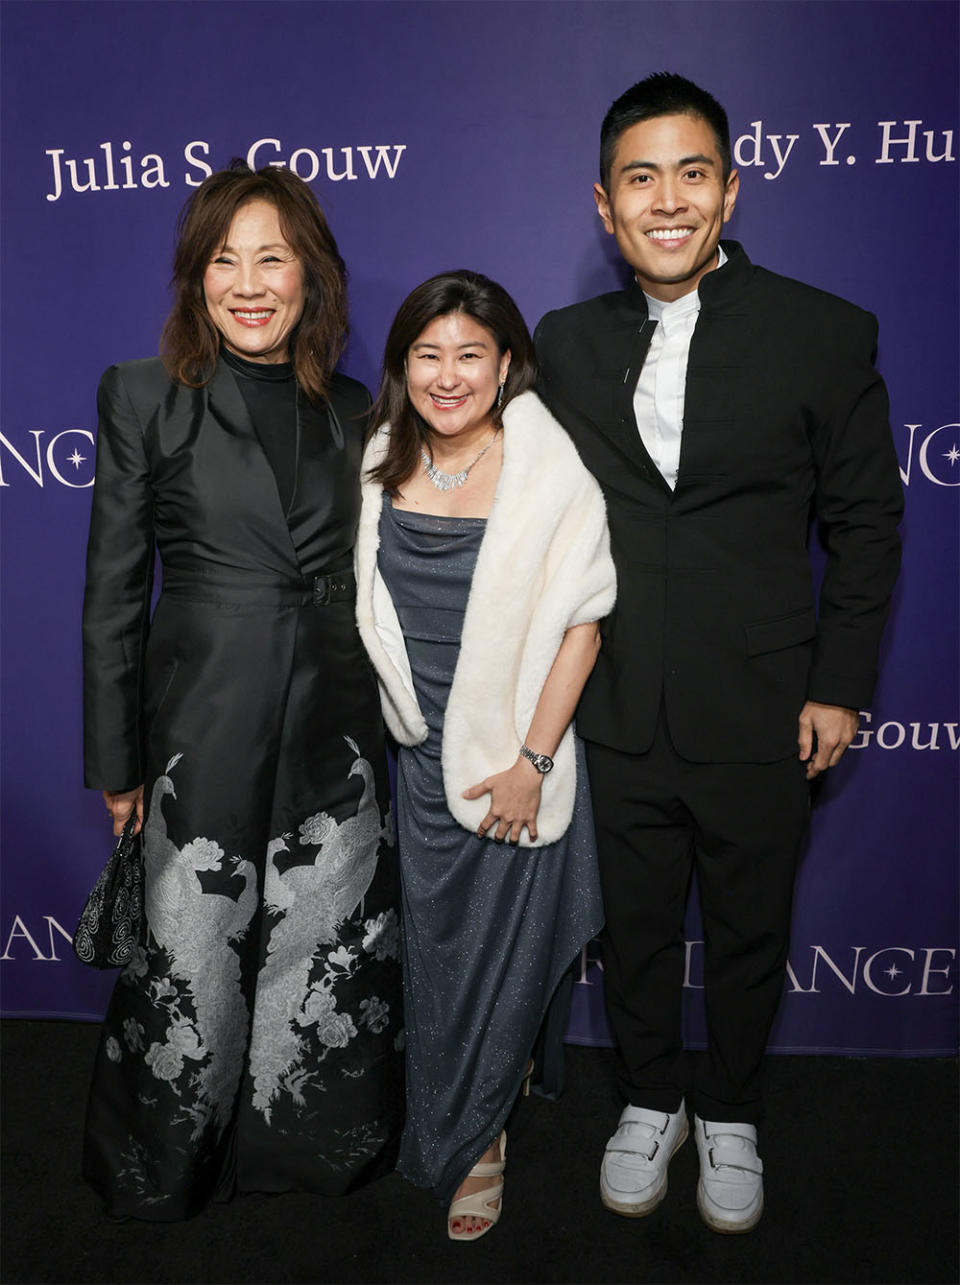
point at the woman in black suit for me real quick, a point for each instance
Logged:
(251, 1043)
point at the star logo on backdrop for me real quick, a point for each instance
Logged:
(952, 455)
(76, 459)
(892, 972)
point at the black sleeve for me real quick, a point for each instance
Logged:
(116, 604)
(859, 503)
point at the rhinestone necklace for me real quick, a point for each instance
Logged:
(449, 481)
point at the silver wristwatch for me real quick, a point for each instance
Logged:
(542, 762)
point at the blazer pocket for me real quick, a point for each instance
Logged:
(783, 631)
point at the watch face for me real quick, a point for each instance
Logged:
(542, 762)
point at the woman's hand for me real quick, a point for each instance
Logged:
(514, 801)
(120, 803)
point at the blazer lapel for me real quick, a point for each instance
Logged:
(717, 383)
(226, 405)
(620, 354)
(715, 387)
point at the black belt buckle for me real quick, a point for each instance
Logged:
(336, 586)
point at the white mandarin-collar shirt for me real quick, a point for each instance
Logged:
(658, 399)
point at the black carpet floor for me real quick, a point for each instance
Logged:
(861, 1186)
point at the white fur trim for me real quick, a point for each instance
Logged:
(544, 566)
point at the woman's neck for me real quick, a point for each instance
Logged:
(458, 450)
(473, 498)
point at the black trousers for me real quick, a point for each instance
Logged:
(740, 826)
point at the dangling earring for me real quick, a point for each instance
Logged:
(500, 393)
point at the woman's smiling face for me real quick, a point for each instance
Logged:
(454, 370)
(254, 287)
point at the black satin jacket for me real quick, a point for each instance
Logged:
(181, 471)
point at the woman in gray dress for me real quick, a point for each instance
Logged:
(483, 565)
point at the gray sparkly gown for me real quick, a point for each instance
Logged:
(489, 930)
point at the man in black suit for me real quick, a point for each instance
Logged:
(719, 406)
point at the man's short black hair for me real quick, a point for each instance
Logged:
(662, 94)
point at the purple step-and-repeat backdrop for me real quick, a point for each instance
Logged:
(441, 135)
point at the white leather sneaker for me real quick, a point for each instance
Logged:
(730, 1190)
(633, 1175)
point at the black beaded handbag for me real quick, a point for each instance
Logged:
(109, 925)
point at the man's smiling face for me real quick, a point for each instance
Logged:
(668, 202)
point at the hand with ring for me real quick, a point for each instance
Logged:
(514, 802)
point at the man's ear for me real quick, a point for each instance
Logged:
(603, 206)
(730, 194)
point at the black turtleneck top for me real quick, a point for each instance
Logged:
(269, 391)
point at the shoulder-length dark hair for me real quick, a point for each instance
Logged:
(190, 341)
(488, 304)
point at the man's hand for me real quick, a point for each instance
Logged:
(833, 727)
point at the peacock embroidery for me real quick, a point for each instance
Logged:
(313, 901)
(195, 928)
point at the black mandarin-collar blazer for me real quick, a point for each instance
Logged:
(785, 416)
